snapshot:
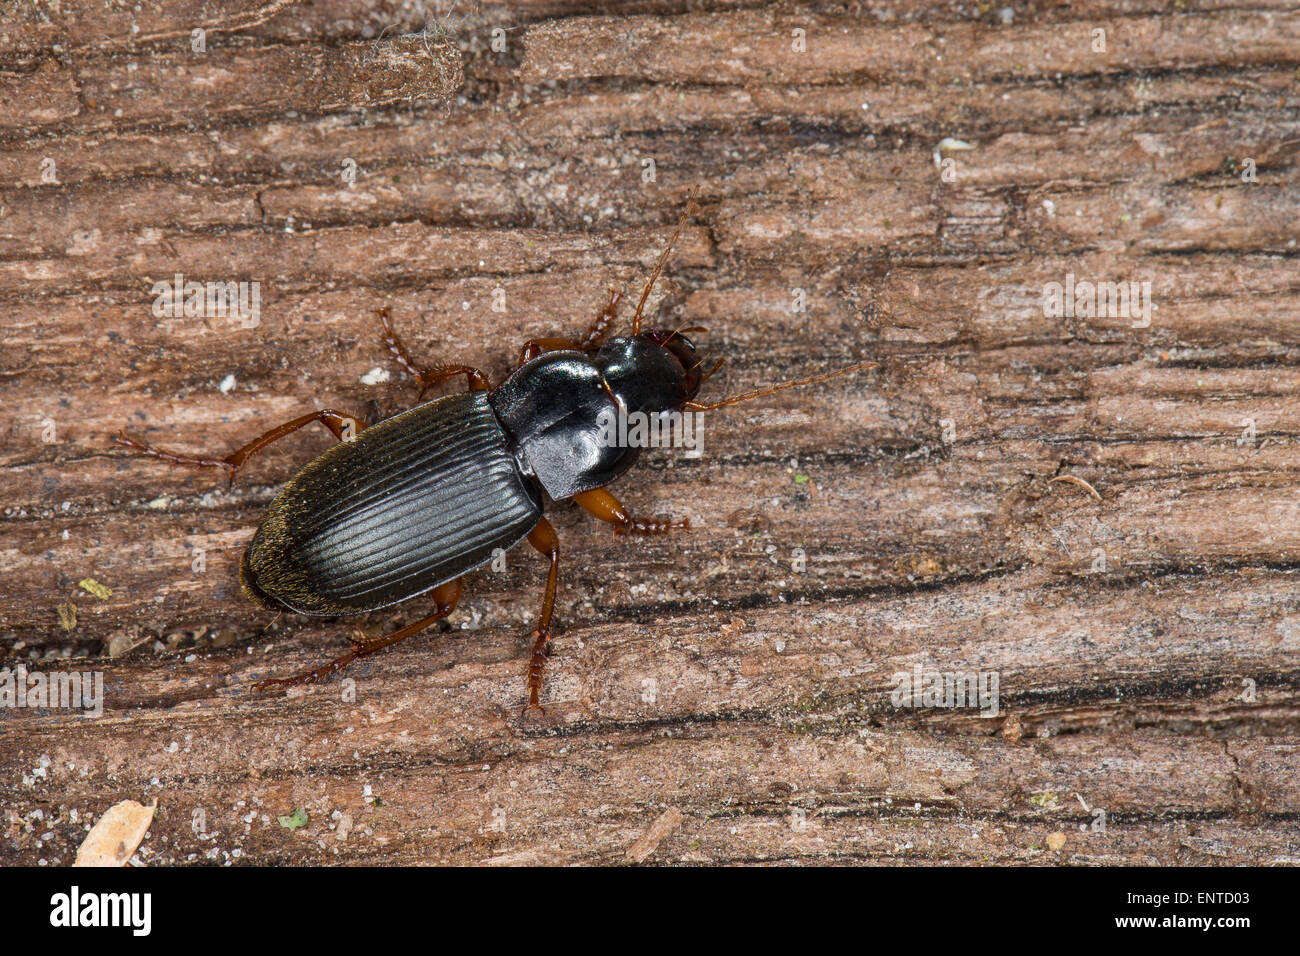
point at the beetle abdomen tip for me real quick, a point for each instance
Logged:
(248, 582)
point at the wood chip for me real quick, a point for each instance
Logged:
(649, 841)
(1011, 729)
(1076, 480)
(117, 834)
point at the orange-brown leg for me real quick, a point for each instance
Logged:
(595, 334)
(543, 538)
(535, 347)
(446, 596)
(605, 318)
(599, 503)
(343, 426)
(430, 377)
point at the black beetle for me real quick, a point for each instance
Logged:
(410, 504)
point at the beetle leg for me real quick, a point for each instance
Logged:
(599, 327)
(535, 347)
(474, 378)
(544, 539)
(604, 320)
(343, 426)
(599, 503)
(446, 596)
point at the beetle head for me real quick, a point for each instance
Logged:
(681, 348)
(654, 371)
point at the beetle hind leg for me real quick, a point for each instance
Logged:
(447, 596)
(342, 426)
(543, 539)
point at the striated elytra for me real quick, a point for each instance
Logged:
(413, 502)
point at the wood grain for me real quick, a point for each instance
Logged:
(723, 696)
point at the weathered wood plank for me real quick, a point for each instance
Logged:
(1147, 645)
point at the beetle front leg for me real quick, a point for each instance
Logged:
(604, 319)
(446, 596)
(344, 427)
(599, 327)
(544, 539)
(599, 503)
(475, 378)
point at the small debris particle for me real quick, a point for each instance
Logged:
(67, 615)
(950, 144)
(733, 627)
(90, 585)
(124, 642)
(801, 479)
(376, 376)
(116, 835)
(1011, 729)
(1076, 480)
(294, 820)
(649, 841)
(343, 826)
(227, 384)
(1055, 841)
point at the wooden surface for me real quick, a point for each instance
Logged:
(706, 701)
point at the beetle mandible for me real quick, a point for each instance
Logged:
(410, 504)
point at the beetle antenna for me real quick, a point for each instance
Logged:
(760, 392)
(691, 209)
(709, 374)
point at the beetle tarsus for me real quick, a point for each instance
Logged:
(601, 503)
(651, 526)
(447, 595)
(314, 676)
(536, 667)
(144, 448)
(342, 426)
(600, 327)
(474, 378)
